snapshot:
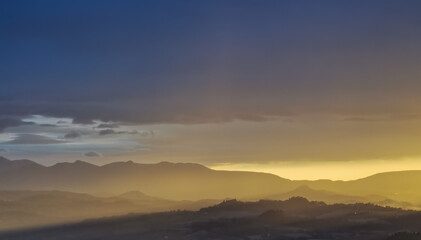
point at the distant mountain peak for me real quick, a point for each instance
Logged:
(304, 188)
(183, 165)
(6, 164)
(133, 195)
(80, 162)
(75, 164)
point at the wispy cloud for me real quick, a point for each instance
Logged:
(113, 132)
(33, 139)
(108, 125)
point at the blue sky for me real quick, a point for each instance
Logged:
(203, 61)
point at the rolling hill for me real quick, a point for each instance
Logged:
(23, 209)
(295, 218)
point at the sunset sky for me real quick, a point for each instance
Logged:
(301, 89)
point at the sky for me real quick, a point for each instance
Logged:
(302, 89)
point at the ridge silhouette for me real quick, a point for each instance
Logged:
(190, 181)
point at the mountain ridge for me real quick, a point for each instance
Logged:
(192, 181)
(167, 163)
(176, 181)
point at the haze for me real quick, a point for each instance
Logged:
(198, 119)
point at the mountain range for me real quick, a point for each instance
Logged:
(188, 181)
(35, 195)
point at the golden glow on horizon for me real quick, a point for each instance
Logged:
(333, 170)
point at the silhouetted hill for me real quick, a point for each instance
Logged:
(296, 218)
(398, 186)
(8, 165)
(331, 197)
(294, 203)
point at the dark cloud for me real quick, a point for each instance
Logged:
(61, 122)
(108, 125)
(3, 150)
(82, 120)
(93, 154)
(73, 134)
(33, 139)
(12, 122)
(113, 132)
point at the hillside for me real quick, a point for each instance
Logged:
(296, 218)
(399, 186)
(23, 209)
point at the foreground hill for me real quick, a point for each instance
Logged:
(296, 218)
(24, 209)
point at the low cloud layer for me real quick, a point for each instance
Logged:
(113, 132)
(31, 139)
(107, 125)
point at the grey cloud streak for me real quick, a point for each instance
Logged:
(72, 135)
(108, 125)
(113, 132)
(32, 139)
